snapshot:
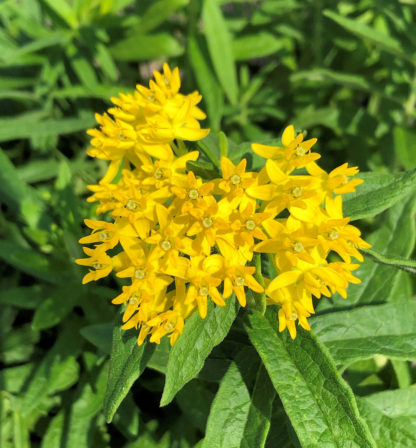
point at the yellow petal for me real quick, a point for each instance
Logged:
(288, 135)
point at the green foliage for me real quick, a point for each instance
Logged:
(341, 71)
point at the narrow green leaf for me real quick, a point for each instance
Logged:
(205, 170)
(74, 425)
(391, 417)
(127, 362)
(366, 331)
(158, 12)
(18, 128)
(405, 146)
(256, 45)
(63, 10)
(199, 337)
(26, 297)
(231, 406)
(140, 48)
(382, 40)
(220, 48)
(20, 197)
(378, 192)
(211, 92)
(305, 377)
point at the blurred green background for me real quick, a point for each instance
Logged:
(342, 71)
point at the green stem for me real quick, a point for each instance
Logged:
(399, 263)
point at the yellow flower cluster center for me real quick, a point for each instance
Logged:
(180, 241)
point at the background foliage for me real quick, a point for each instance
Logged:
(344, 71)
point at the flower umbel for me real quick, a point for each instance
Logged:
(181, 240)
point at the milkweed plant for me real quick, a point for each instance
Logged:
(205, 243)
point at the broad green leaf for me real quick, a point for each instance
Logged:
(140, 48)
(205, 170)
(405, 146)
(199, 337)
(37, 170)
(234, 421)
(305, 377)
(127, 362)
(126, 419)
(366, 331)
(220, 48)
(211, 92)
(396, 236)
(196, 410)
(382, 40)
(256, 45)
(391, 417)
(99, 335)
(73, 425)
(260, 412)
(378, 192)
(18, 128)
(18, 345)
(12, 379)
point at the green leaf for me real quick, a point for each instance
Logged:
(211, 92)
(239, 418)
(199, 337)
(220, 48)
(99, 335)
(127, 362)
(366, 331)
(405, 146)
(55, 307)
(140, 48)
(26, 297)
(158, 12)
(381, 40)
(19, 196)
(18, 128)
(73, 425)
(378, 192)
(257, 45)
(391, 416)
(64, 11)
(305, 377)
(397, 236)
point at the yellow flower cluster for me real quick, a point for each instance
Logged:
(180, 240)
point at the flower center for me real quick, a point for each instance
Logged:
(169, 326)
(235, 179)
(134, 299)
(132, 204)
(98, 266)
(300, 151)
(139, 273)
(151, 97)
(207, 222)
(293, 316)
(203, 291)
(104, 236)
(166, 245)
(250, 224)
(333, 235)
(158, 174)
(193, 193)
(298, 247)
(239, 281)
(297, 192)
(167, 82)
